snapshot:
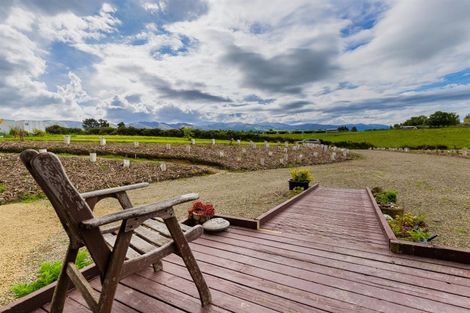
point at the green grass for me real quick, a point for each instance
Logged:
(28, 198)
(118, 138)
(452, 137)
(48, 273)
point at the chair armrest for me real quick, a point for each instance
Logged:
(141, 211)
(111, 191)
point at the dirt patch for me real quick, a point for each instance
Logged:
(233, 157)
(16, 183)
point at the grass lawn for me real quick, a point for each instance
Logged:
(452, 137)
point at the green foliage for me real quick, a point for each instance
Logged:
(295, 191)
(301, 174)
(466, 120)
(416, 121)
(38, 133)
(18, 133)
(386, 197)
(31, 197)
(440, 118)
(418, 235)
(48, 273)
(103, 123)
(90, 123)
(410, 227)
(56, 129)
(432, 138)
(354, 129)
(2, 188)
(343, 129)
(187, 132)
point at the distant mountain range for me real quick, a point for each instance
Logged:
(259, 127)
(32, 124)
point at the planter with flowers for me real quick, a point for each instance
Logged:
(200, 212)
(300, 177)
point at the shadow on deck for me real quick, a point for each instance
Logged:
(324, 253)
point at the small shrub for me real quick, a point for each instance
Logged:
(301, 174)
(294, 192)
(2, 188)
(386, 197)
(410, 227)
(48, 273)
(38, 133)
(376, 190)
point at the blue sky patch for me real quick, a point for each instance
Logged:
(456, 78)
(61, 60)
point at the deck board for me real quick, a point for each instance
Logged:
(324, 253)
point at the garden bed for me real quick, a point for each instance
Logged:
(17, 184)
(423, 249)
(233, 157)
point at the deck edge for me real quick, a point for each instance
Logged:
(263, 218)
(42, 296)
(426, 250)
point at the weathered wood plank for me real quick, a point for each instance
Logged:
(109, 191)
(172, 296)
(226, 294)
(309, 298)
(425, 288)
(151, 236)
(111, 239)
(160, 208)
(158, 226)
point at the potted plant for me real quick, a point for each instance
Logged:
(200, 212)
(300, 177)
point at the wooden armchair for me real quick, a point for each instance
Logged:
(145, 235)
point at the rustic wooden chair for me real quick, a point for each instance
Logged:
(145, 235)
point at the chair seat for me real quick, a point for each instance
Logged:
(148, 238)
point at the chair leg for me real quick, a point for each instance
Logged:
(111, 278)
(157, 266)
(60, 291)
(189, 260)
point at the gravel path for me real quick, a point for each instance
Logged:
(434, 185)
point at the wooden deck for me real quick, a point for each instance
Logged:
(325, 253)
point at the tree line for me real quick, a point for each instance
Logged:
(102, 127)
(437, 119)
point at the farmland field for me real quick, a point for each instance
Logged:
(118, 138)
(233, 157)
(452, 137)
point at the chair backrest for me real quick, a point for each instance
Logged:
(71, 208)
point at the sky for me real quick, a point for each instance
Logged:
(251, 61)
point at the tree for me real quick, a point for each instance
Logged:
(121, 125)
(90, 123)
(440, 118)
(354, 129)
(343, 129)
(187, 132)
(416, 121)
(103, 123)
(466, 120)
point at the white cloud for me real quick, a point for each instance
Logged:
(204, 58)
